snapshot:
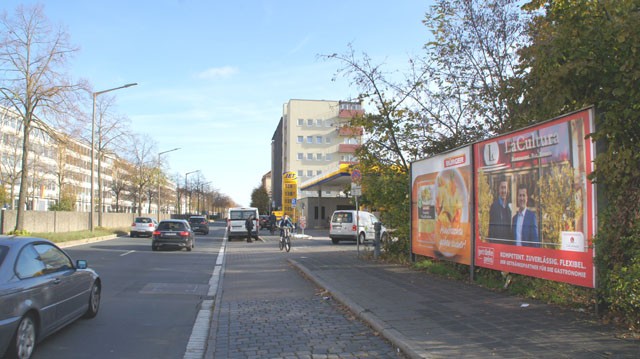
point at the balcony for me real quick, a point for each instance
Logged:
(350, 131)
(347, 148)
(346, 113)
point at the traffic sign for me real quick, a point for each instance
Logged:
(356, 176)
(293, 202)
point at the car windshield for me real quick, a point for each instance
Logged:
(235, 215)
(3, 253)
(342, 217)
(143, 220)
(171, 226)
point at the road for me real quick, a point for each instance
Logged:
(152, 303)
(149, 300)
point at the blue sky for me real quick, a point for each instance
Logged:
(213, 75)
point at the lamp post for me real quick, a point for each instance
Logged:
(93, 146)
(186, 204)
(161, 153)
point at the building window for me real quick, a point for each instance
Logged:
(319, 139)
(327, 140)
(319, 156)
(318, 123)
(300, 122)
(309, 139)
(315, 212)
(300, 172)
(310, 156)
(300, 156)
(318, 172)
(310, 173)
(300, 139)
(327, 123)
(328, 157)
(309, 122)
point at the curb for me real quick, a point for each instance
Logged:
(85, 241)
(391, 334)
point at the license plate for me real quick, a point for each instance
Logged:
(170, 234)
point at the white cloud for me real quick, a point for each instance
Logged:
(217, 72)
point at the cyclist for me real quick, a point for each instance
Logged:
(285, 239)
(272, 222)
(285, 222)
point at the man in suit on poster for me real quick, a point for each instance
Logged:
(500, 216)
(524, 223)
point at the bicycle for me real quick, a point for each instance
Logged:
(285, 239)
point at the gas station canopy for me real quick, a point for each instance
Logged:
(337, 180)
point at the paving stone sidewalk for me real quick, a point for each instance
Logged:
(431, 317)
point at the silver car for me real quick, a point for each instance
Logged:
(143, 226)
(41, 291)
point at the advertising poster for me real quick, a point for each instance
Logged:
(534, 204)
(441, 205)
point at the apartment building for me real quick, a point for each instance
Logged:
(313, 139)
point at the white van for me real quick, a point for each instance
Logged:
(235, 222)
(343, 226)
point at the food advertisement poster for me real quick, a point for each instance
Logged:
(441, 206)
(534, 203)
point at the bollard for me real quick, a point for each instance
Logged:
(376, 243)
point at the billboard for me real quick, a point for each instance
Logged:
(441, 206)
(535, 207)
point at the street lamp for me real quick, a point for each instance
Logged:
(93, 146)
(161, 153)
(185, 190)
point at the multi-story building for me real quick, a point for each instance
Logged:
(64, 166)
(313, 139)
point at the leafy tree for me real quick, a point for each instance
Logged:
(32, 59)
(586, 53)
(66, 202)
(260, 199)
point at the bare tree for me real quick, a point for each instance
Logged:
(142, 176)
(33, 56)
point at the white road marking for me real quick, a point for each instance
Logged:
(124, 254)
(197, 345)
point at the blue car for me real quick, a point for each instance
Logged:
(41, 291)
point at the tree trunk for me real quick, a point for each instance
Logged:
(22, 195)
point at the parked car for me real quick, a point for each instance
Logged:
(41, 290)
(173, 233)
(143, 226)
(264, 221)
(343, 226)
(199, 224)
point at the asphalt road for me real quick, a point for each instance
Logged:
(149, 300)
(153, 304)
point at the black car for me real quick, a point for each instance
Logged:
(264, 221)
(199, 224)
(173, 233)
(41, 290)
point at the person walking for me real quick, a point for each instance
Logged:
(248, 224)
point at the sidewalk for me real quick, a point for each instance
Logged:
(431, 317)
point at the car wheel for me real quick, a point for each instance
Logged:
(189, 246)
(361, 238)
(335, 240)
(24, 340)
(94, 301)
(132, 235)
(154, 247)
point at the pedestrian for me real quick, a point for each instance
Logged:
(248, 224)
